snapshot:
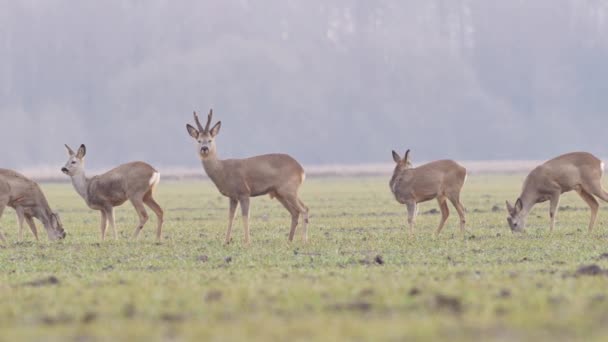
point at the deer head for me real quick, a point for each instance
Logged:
(205, 136)
(75, 163)
(516, 218)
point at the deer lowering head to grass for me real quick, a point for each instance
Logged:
(278, 175)
(578, 171)
(25, 196)
(134, 181)
(442, 179)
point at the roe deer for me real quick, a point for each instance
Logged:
(578, 171)
(442, 179)
(25, 196)
(134, 181)
(278, 175)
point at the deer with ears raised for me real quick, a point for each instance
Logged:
(278, 175)
(442, 179)
(133, 181)
(578, 171)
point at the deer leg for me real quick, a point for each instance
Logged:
(141, 212)
(304, 212)
(30, 222)
(593, 205)
(231, 214)
(104, 223)
(110, 216)
(20, 218)
(289, 204)
(460, 209)
(244, 201)
(2, 206)
(445, 213)
(152, 204)
(554, 202)
(412, 211)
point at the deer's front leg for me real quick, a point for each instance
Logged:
(104, 224)
(245, 211)
(553, 210)
(412, 211)
(231, 213)
(20, 218)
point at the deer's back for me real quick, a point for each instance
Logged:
(259, 175)
(568, 171)
(120, 183)
(430, 180)
(20, 188)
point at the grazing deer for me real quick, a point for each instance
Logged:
(278, 175)
(578, 171)
(442, 179)
(25, 196)
(134, 181)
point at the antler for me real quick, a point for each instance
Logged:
(198, 123)
(209, 117)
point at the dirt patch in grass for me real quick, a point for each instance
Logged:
(48, 281)
(590, 270)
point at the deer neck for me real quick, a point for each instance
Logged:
(81, 185)
(528, 200)
(214, 168)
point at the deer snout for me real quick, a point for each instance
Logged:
(64, 170)
(205, 149)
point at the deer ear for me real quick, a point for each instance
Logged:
(192, 131)
(396, 157)
(509, 207)
(82, 151)
(70, 151)
(407, 157)
(519, 205)
(216, 129)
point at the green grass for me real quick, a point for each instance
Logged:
(490, 285)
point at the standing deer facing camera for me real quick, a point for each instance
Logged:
(442, 179)
(578, 171)
(278, 175)
(134, 181)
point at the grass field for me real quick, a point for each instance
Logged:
(359, 277)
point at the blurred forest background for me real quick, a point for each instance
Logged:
(327, 81)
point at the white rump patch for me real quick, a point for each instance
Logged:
(602, 166)
(155, 179)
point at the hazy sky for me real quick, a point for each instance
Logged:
(327, 81)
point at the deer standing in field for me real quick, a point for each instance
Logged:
(25, 196)
(133, 181)
(278, 175)
(442, 179)
(578, 171)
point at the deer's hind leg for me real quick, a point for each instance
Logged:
(291, 204)
(593, 205)
(152, 204)
(138, 204)
(455, 199)
(445, 213)
(244, 201)
(32, 225)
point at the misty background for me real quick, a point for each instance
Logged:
(327, 81)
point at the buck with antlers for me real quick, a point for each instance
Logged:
(442, 179)
(134, 181)
(578, 171)
(278, 175)
(25, 196)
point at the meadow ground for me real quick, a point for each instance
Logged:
(359, 277)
